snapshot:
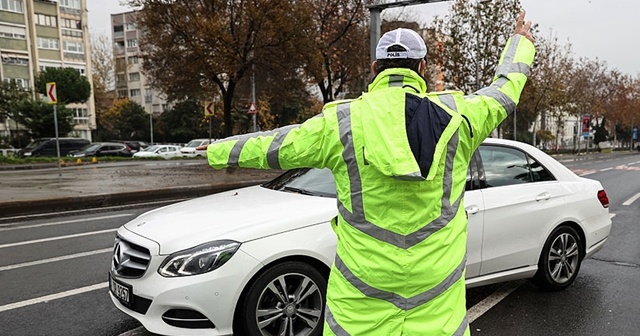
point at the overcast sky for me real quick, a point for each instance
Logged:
(603, 29)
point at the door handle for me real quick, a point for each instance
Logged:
(543, 197)
(472, 210)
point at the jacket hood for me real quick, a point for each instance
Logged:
(383, 123)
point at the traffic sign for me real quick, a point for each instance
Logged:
(586, 125)
(52, 95)
(209, 109)
(252, 109)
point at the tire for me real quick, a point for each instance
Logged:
(560, 260)
(286, 312)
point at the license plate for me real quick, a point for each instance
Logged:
(121, 291)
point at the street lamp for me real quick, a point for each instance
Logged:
(148, 99)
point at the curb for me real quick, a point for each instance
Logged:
(38, 206)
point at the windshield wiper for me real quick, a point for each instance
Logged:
(299, 191)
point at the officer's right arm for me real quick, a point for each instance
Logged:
(293, 146)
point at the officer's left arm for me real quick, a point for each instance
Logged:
(293, 146)
(489, 106)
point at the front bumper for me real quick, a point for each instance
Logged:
(214, 295)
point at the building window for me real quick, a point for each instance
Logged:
(13, 32)
(80, 116)
(21, 82)
(74, 47)
(75, 4)
(133, 60)
(71, 23)
(48, 43)
(132, 43)
(15, 59)
(72, 33)
(12, 5)
(134, 76)
(46, 20)
(122, 94)
(121, 78)
(46, 67)
(130, 26)
(135, 92)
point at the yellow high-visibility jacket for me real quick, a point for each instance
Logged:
(399, 157)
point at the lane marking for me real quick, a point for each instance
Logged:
(57, 238)
(632, 199)
(605, 169)
(53, 297)
(490, 301)
(51, 260)
(612, 215)
(11, 226)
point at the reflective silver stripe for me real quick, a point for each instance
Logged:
(449, 101)
(333, 324)
(463, 327)
(273, 154)
(348, 154)
(357, 219)
(505, 68)
(503, 99)
(395, 299)
(234, 155)
(396, 80)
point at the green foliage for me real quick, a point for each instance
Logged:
(10, 95)
(601, 134)
(37, 116)
(71, 86)
(125, 120)
(185, 121)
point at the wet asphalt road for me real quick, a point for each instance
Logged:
(603, 301)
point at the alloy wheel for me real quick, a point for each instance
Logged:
(564, 257)
(290, 305)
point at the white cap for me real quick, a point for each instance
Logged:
(406, 38)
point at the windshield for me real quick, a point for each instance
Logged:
(90, 148)
(34, 144)
(308, 181)
(151, 148)
(194, 143)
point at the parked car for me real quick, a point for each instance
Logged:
(102, 149)
(230, 262)
(159, 151)
(47, 147)
(190, 149)
(135, 145)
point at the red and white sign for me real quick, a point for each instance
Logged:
(252, 109)
(52, 95)
(209, 109)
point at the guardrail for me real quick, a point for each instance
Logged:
(8, 151)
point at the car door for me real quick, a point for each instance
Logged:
(522, 200)
(473, 204)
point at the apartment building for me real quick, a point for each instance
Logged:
(40, 34)
(131, 82)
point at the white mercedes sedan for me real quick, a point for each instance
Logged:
(255, 261)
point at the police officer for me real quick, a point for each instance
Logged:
(399, 156)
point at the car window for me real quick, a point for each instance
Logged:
(539, 172)
(504, 166)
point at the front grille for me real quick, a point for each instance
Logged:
(129, 260)
(186, 318)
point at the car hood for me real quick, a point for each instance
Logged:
(241, 215)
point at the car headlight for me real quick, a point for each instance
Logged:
(198, 260)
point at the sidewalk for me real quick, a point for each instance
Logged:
(40, 188)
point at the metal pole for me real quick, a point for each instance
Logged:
(151, 125)
(55, 123)
(210, 127)
(374, 14)
(253, 94)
